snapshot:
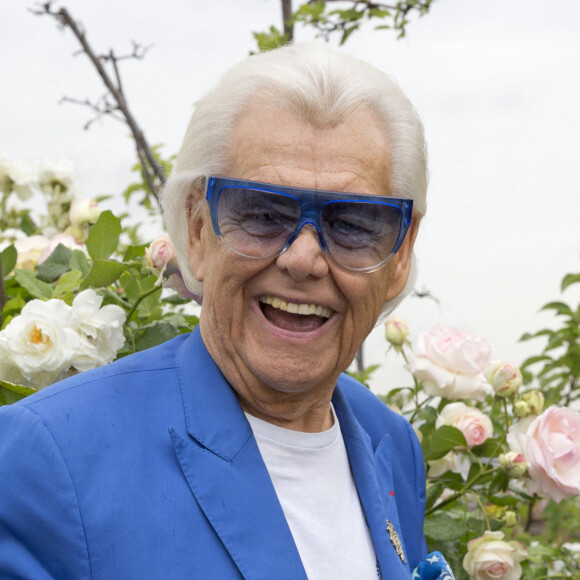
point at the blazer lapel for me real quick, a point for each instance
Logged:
(373, 478)
(225, 471)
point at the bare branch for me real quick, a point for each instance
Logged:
(151, 168)
(102, 108)
(287, 19)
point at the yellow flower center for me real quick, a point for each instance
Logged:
(35, 336)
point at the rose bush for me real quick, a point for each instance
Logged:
(74, 294)
(451, 364)
(482, 500)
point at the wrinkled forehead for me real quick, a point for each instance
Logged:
(274, 145)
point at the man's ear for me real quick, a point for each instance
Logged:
(403, 261)
(197, 246)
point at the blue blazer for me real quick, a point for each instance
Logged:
(148, 469)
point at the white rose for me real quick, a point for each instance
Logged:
(15, 175)
(475, 426)
(99, 330)
(37, 346)
(29, 250)
(490, 558)
(451, 364)
(83, 211)
(55, 176)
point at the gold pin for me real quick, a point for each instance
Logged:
(396, 541)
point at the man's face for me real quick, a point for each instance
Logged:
(267, 353)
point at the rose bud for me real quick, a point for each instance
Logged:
(510, 519)
(505, 378)
(521, 409)
(535, 401)
(514, 464)
(83, 210)
(396, 331)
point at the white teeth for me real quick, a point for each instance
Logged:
(294, 308)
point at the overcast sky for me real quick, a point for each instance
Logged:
(496, 83)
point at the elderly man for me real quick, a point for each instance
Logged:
(241, 451)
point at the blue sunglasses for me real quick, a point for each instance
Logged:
(360, 232)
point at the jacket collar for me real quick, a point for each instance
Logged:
(225, 472)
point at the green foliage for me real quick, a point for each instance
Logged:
(556, 371)
(104, 236)
(271, 39)
(117, 270)
(364, 375)
(8, 257)
(10, 393)
(147, 190)
(344, 17)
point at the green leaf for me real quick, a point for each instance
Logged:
(55, 265)
(78, 261)
(103, 273)
(154, 335)
(441, 526)
(134, 252)
(104, 236)
(441, 441)
(68, 282)
(487, 448)
(535, 359)
(9, 257)
(434, 490)
(11, 392)
(35, 287)
(27, 225)
(569, 279)
(499, 483)
(559, 307)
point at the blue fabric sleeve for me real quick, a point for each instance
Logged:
(41, 531)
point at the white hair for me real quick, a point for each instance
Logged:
(320, 87)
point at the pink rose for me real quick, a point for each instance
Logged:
(475, 426)
(490, 558)
(551, 445)
(451, 364)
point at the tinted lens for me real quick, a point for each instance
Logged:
(256, 223)
(358, 234)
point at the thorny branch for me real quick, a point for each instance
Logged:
(117, 108)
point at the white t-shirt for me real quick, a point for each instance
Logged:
(314, 483)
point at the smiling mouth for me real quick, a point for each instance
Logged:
(293, 316)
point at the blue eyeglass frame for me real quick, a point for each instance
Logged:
(312, 202)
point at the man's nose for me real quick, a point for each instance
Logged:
(305, 256)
